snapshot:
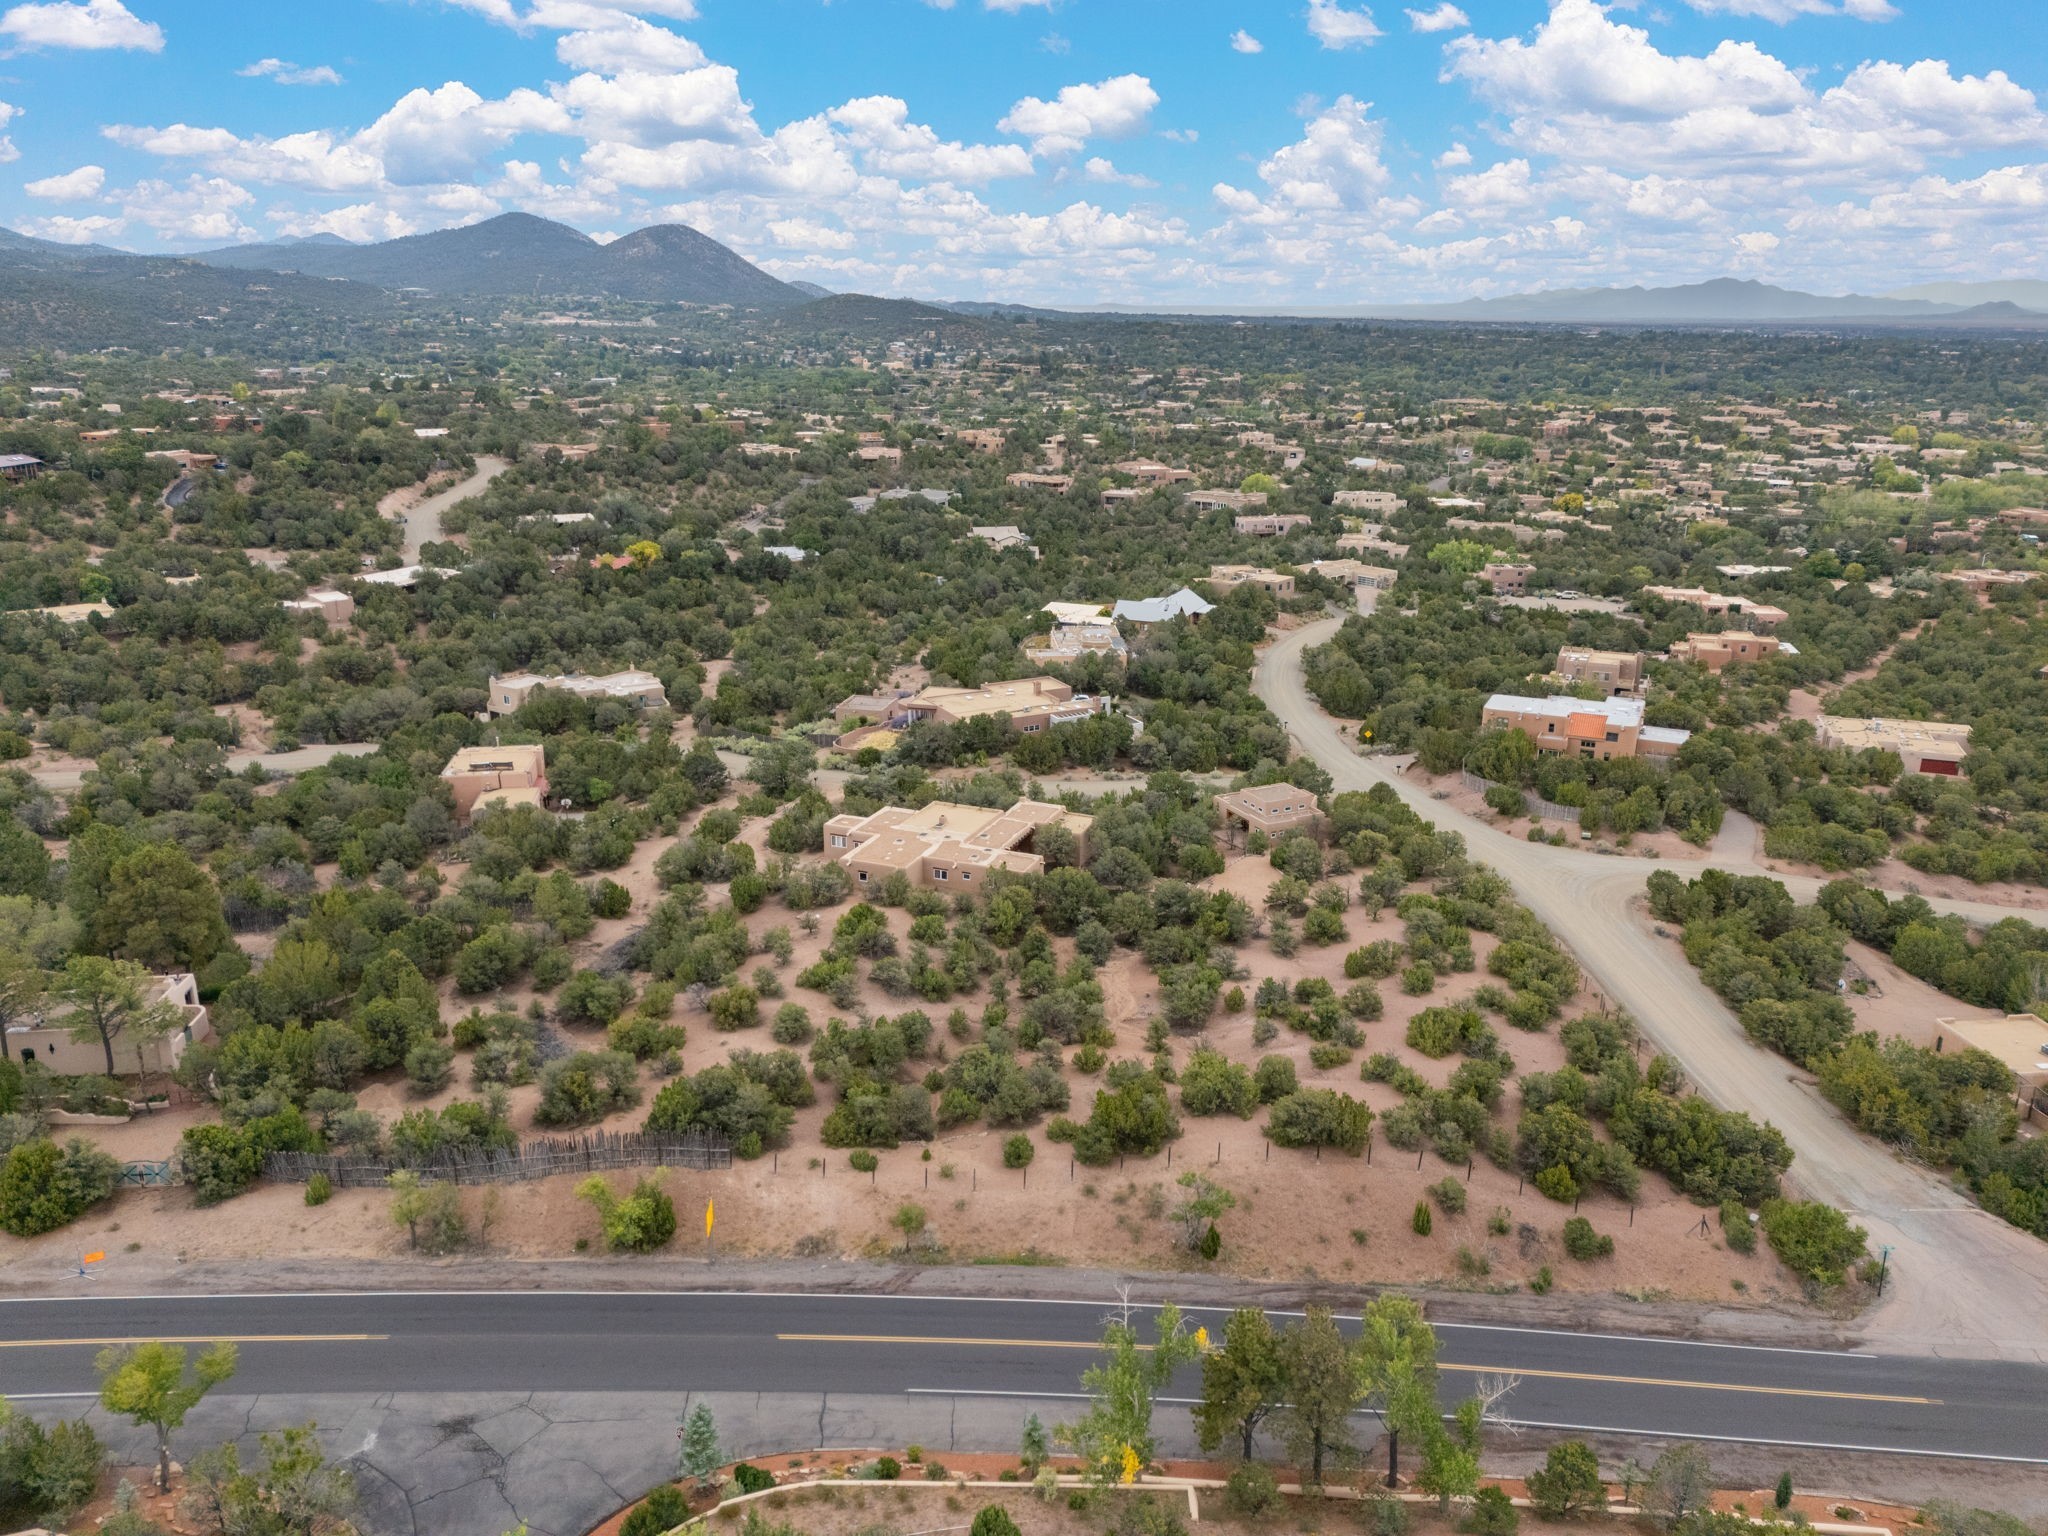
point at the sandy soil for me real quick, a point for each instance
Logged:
(1298, 1216)
(1663, 844)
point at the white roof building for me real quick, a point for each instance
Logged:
(1157, 610)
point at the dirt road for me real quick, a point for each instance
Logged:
(423, 518)
(1961, 1281)
(282, 764)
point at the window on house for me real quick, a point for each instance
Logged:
(863, 877)
(938, 874)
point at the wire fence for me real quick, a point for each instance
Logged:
(599, 1152)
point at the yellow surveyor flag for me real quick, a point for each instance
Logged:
(707, 1218)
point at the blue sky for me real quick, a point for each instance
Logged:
(1200, 151)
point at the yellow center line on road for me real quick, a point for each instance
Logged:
(1487, 1370)
(200, 1338)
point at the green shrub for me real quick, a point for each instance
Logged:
(1582, 1242)
(737, 1007)
(640, 1223)
(1568, 1483)
(1251, 1490)
(1326, 1056)
(888, 1468)
(1449, 1196)
(43, 1188)
(994, 1520)
(1018, 1151)
(752, 1479)
(1320, 1117)
(218, 1161)
(1813, 1240)
(1422, 1222)
(1418, 979)
(863, 1161)
(1736, 1231)
(319, 1189)
(1274, 1078)
(1541, 1282)
(660, 1512)
(1493, 1513)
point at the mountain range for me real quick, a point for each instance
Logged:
(517, 255)
(1718, 301)
(96, 293)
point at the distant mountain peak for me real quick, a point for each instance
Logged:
(523, 255)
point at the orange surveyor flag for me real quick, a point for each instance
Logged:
(94, 1258)
(707, 1218)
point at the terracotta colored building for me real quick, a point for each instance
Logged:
(1714, 652)
(494, 776)
(1594, 728)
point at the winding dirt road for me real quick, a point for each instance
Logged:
(423, 518)
(1962, 1282)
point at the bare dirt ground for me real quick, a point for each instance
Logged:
(1662, 844)
(922, 1499)
(1298, 1217)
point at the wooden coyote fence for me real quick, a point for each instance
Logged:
(1534, 803)
(600, 1152)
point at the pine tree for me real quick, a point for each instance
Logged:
(701, 1455)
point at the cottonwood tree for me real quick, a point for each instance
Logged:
(1323, 1387)
(1114, 1437)
(1242, 1382)
(1202, 1203)
(147, 1384)
(1680, 1483)
(1395, 1357)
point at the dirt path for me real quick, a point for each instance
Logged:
(1595, 906)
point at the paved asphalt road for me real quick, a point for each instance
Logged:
(521, 1342)
(2001, 1306)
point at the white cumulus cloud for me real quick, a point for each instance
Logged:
(1335, 27)
(1445, 17)
(90, 24)
(284, 72)
(880, 128)
(70, 187)
(1108, 109)
(1242, 41)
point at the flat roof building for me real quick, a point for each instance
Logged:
(332, 606)
(1228, 578)
(943, 846)
(1924, 746)
(49, 1042)
(1612, 672)
(1761, 616)
(1730, 646)
(1506, 578)
(1269, 808)
(1356, 573)
(1594, 728)
(642, 690)
(1271, 525)
(481, 777)
(1030, 704)
(2019, 1040)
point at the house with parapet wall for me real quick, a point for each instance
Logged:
(946, 847)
